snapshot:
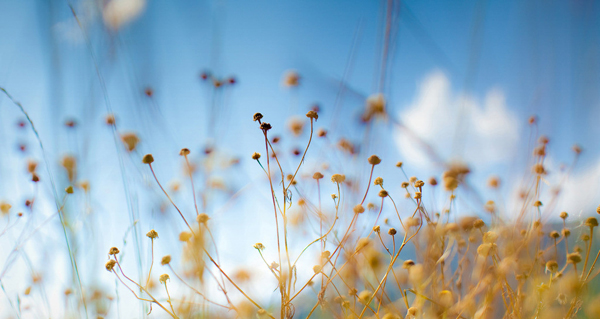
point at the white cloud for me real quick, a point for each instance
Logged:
(488, 130)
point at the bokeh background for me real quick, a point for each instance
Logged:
(461, 80)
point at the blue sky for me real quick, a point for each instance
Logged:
(465, 64)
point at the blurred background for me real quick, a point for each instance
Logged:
(461, 80)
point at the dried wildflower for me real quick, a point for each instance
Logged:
(383, 193)
(265, 126)
(317, 175)
(377, 229)
(5, 207)
(255, 156)
(554, 234)
(321, 132)
(257, 117)
(110, 119)
(312, 115)
(490, 237)
(371, 206)
(408, 263)
(404, 184)
(70, 164)
(274, 265)
(378, 181)
(259, 246)
(486, 249)
(433, 181)
(494, 182)
(564, 215)
(574, 258)
(163, 278)
(454, 175)
(296, 126)
(566, 232)
(365, 296)
(148, 159)
(419, 183)
(537, 203)
(374, 160)
(325, 254)
(591, 222)
(113, 251)
(152, 234)
(338, 178)
(202, 218)
(552, 266)
(539, 169)
(392, 232)
(184, 152)
(291, 78)
(317, 269)
(110, 264)
(417, 195)
(165, 260)
(185, 236)
(130, 140)
(35, 178)
(358, 209)
(577, 149)
(375, 106)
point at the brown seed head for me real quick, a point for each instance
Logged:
(113, 251)
(69, 190)
(378, 181)
(392, 232)
(184, 152)
(110, 264)
(564, 215)
(163, 278)
(152, 234)
(255, 156)
(374, 160)
(148, 159)
(574, 258)
(358, 209)
(312, 115)
(317, 175)
(202, 218)
(383, 193)
(165, 260)
(591, 222)
(265, 126)
(338, 178)
(432, 181)
(257, 117)
(408, 263)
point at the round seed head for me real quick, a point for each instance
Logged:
(408, 263)
(417, 195)
(110, 264)
(69, 190)
(358, 209)
(163, 278)
(113, 251)
(552, 266)
(152, 234)
(259, 246)
(374, 160)
(574, 258)
(383, 193)
(377, 229)
(392, 232)
(419, 183)
(399, 164)
(591, 222)
(537, 203)
(255, 156)
(148, 159)
(432, 181)
(165, 260)
(110, 119)
(554, 234)
(202, 218)
(317, 175)
(338, 178)
(564, 215)
(257, 117)
(321, 132)
(378, 181)
(405, 184)
(265, 126)
(566, 232)
(312, 115)
(184, 152)
(185, 236)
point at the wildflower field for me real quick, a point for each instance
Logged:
(319, 159)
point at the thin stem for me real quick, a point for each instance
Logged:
(169, 197)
